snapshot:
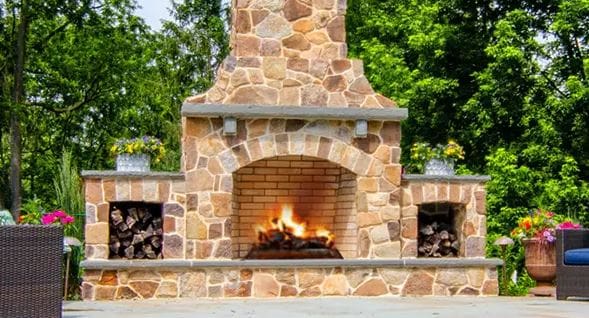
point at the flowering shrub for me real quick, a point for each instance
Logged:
(421, 152)
(542, 224)
(145, 145)
(55, 217)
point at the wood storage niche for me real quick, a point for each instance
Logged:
(135, 230)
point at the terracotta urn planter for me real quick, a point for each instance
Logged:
(540, 259)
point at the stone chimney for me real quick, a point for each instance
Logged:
(290, 53)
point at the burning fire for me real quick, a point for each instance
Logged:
(287, 228)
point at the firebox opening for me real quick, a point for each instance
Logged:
(439, 232)
(135, 230)
(319, 193)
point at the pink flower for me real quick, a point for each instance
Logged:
(59, 214)
(567, 225)
(48, 219)
(67, 219)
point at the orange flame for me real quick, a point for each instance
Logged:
(287, 222)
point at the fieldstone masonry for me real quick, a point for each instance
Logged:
(290, 53)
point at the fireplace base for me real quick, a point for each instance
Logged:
(124, 279)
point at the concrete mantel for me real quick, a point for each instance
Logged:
(103, 174)
(293, 112)
(434, 178)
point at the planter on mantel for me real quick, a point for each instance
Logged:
(135, 162)
(439, 167)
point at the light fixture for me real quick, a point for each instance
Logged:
(361, 130)
(229, 126)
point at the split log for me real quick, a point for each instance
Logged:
(437, 240)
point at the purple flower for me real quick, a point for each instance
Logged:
(548, 236)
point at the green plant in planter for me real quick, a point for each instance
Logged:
(145, 145)
(422, 152)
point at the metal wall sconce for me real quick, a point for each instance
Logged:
(361, 130)
(229, 126)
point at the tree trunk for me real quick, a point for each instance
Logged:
(18, 94)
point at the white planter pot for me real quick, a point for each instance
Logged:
(137, 162)
(439, 167)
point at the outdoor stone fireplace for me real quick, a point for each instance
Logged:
(291, 122)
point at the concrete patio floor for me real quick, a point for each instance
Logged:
(437, 307)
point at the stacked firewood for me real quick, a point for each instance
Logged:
(438, 240)
(135, 233)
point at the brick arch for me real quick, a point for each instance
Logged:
(299, 143)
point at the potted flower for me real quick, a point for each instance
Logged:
(135, 154)
(438, 160)
(537, 232)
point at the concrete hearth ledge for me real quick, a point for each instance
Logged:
(101, 174)
(304, 263)
(293, 112)
(465, 178)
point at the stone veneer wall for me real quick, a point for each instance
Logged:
(466, 191)
(159, 188)
(288, 282)
(293, 53)
(211, 161)
(320, 193)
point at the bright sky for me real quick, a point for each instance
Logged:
(153, 11)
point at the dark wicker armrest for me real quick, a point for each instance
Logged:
(570, 239)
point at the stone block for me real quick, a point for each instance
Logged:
(335, 285)
(193, 284)
(388, 250)
(372, 287)
(395, 277)
(167, 290)
(223, 249)
(274, 26)
(409, 228)
(293, 10)
(311, 292)
(367, 219)
(475, 246)
(93, 191)
(288, 291)
(451, 277)
(265, 286)
(310, 277)
(125, 292)
(379, 234)
(222, 204)
(195, 227)
(145, 289)
(490, 287)
(238, 289)
(104, 292)
(419, 283)
(173, 246)
(97, 233)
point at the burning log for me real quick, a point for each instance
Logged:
(135, 233)
(438, 240)
(284, 238)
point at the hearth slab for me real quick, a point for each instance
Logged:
(304, 263)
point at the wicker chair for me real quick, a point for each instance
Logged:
(31, 271)
(571, 280)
